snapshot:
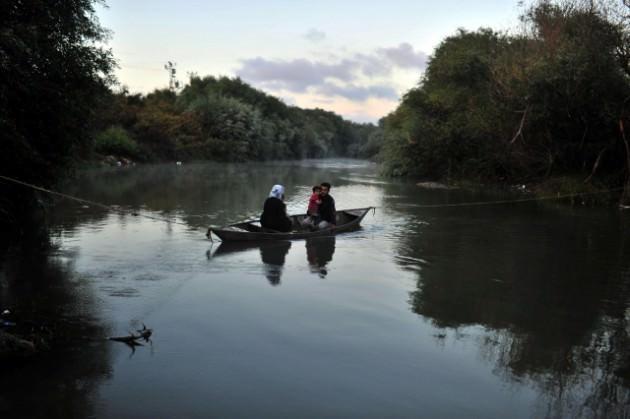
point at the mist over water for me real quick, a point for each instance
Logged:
(517, 310)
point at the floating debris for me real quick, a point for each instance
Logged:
(133, 339)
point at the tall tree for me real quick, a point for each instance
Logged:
(53, 68)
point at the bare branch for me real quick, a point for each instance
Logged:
(596, 164)
(519, 133)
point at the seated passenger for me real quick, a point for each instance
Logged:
(313, 202)
(312, 213)
(327, 212)
(274, 214)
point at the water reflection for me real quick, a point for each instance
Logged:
(539, 295)
(53, 308)
(213, 193)
(319, 252)
(551, 289)
(273, 256)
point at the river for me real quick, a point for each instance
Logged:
(518, 310)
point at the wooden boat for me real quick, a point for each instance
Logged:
(347, 220)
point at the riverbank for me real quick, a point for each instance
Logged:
(570, 190)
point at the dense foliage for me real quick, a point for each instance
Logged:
(224, 119)
(52, 70)
(551, 100)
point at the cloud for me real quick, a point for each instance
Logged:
(358, 93)
(372, 65)
(358, 78)
(294, 75)
(289, 100)
(302, 75)
(314, 35)
(299, 74)
(404, 56)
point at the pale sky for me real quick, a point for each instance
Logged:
(355, 58)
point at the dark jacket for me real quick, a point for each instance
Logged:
(327, 211)
(274, 215)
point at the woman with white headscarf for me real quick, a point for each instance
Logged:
(274, 214)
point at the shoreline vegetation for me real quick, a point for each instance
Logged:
(546, 105)
(567, 190)
(220, 119)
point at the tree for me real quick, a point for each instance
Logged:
(53, 68)
(549, 101)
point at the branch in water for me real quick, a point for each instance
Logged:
(133, 338)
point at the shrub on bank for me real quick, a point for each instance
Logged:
(117, 141)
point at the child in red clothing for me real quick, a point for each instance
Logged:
(313, 202)
(312, 213)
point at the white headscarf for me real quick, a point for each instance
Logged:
(277, 191)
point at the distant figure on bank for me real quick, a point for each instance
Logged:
(274, 214)
(327, 212)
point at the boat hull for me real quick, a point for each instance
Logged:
(348, 220)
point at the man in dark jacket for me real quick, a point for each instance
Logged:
(327, 211)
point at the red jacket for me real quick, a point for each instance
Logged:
(313, 205)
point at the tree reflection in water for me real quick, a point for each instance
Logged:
(62, 381)
(201, 194)
(319, 252)
(553, 295)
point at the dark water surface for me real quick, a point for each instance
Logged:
(505, 311)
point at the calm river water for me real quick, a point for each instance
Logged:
(517, 310)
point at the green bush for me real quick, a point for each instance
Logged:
(117, 141)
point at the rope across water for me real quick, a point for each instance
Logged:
(93, 203)
(460, 204)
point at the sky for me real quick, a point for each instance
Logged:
(355, 58)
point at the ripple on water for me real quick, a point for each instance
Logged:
(364, 180)
(127, 292)
(410, 261)
(148, 276)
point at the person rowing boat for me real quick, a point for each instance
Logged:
(327, 211)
